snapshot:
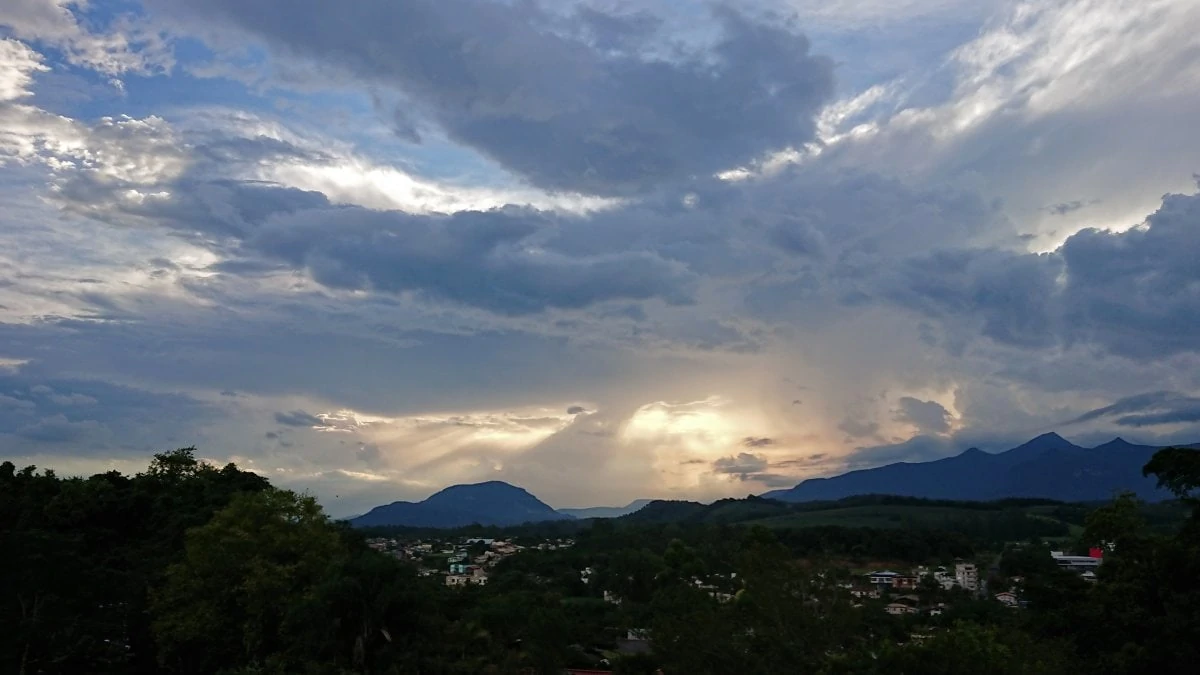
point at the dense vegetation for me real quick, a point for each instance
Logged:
(190, 568)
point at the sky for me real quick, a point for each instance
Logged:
(601, 249)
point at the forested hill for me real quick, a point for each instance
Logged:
(995, 521)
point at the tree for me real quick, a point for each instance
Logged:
(226, 605)
(1177, 469)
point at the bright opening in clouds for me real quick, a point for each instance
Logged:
(602, 250)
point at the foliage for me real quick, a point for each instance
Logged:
(190, 568)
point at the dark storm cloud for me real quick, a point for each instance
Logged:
(492, 260)
(1181, 413)
(298, 418)
(576, 409)
(1149, 409)
(927, 416)
(1135, 293)
(482, 259)
(576, 103)
(1136, 403)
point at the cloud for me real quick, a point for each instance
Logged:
(1133, 293)
(18, 64)
(1063, 208)
(124, 45)
(858, 428)
(587, 118)
(495, 260)
(576, 409)
(482, 259)
(57, 429)
(298, 418)
(742, 465)
(1148, 409)
(926, 416)
(757, 442)
(47, 413)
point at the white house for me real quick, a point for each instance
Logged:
(883, 578)
(1007, 599)
(967, 576)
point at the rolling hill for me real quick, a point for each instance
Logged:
(490, 503)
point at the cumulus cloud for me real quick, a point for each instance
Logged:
(1133, 292)
(125, 44)
(481, 259)
(613, 120)
(926, 416)
(742, 465)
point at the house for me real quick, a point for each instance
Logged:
(967, 576)
(477, 540)
(883, 578)
(1008, 599)
(899, 608)
(1076, 563)
(457, 579)
(904, 582)
(865, 592)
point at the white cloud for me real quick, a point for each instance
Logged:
(18, 63)
(127, 45)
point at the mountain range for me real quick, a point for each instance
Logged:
(490, 503)
(1048, 466)
(606, 511)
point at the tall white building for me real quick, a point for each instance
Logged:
(967, 576)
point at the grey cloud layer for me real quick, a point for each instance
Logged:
(41, 412)
(1134, 293)
(579, 103)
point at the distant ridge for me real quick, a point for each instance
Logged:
(606, 511)
(1048, 466)
(490, 503)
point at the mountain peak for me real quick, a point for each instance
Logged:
(1117, 443)
(1043, 443)
(1049, 437)
(491, 502)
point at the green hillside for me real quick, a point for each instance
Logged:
(1002, 520)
